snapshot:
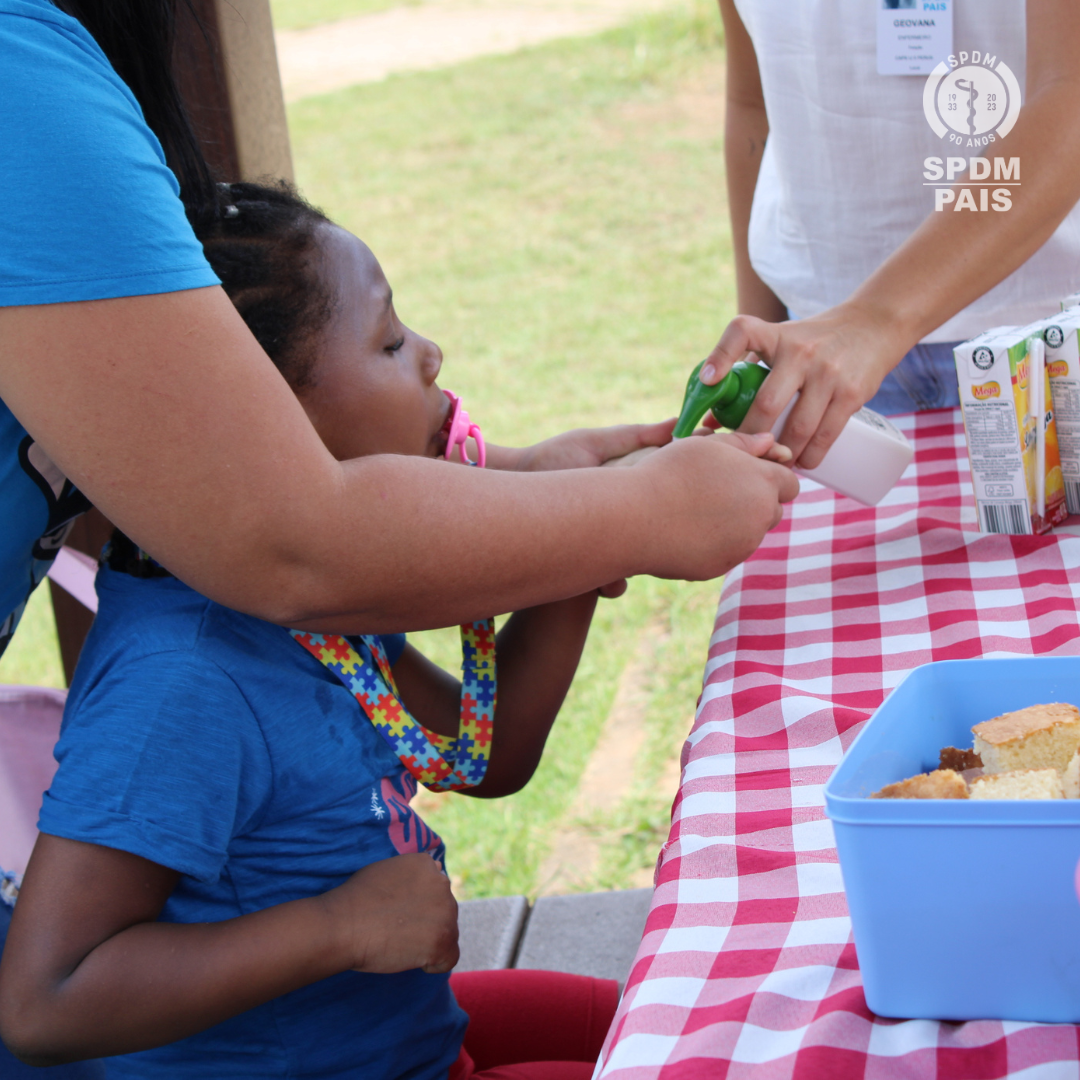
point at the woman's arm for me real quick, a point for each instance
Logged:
(746, 127)
(536, 655)
(88, 972)
(167, 414)
(837, 360)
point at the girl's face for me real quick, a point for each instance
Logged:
(373, 389)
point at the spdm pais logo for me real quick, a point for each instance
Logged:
(971, 100)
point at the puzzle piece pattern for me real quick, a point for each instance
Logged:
(439, 762)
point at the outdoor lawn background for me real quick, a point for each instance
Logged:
(556, 221)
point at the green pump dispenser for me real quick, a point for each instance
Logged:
(730, 399)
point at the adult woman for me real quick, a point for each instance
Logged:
(126, 369)
(843, 235)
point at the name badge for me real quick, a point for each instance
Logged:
(913, 36)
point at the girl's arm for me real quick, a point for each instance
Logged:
(167, 414)
(536, 655)
(88, 972)
(582, 448)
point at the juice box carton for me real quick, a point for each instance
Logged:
(1072, 300)
(996, 396)
(1061, 333)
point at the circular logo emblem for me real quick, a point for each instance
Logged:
(983, 359)
(1054, 336)
(973, 96)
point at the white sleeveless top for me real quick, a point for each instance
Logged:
(841, 179)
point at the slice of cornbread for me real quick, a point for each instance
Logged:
(940, 784)
(953, 758)
(1022, 784)
(1038, 737)
(1070, 778)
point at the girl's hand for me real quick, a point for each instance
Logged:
(397, 915)
(584, 448)
(762, 446)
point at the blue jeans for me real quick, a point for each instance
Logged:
(924, 379)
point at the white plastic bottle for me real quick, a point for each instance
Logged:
(867, 459)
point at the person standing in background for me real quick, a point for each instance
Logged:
(851, 286)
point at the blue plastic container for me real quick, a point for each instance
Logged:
(961, 910)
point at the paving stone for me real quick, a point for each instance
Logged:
(586, 934)
(488, 932)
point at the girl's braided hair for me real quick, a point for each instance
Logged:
(260, 240)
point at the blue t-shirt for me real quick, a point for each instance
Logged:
(88, 211)
(213, 743)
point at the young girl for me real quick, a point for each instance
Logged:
(230, 880)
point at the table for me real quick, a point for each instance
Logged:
(747, 966)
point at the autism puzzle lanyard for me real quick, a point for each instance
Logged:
(436, 761)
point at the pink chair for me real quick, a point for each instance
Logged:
(29, 727)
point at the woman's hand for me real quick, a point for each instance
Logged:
(583, 448)
(834, 361)
(732, 482)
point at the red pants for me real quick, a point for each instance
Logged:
(532, 1025)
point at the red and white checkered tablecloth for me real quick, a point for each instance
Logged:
(747, 967)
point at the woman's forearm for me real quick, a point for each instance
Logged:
(958, 255)
(167, 414)
(469, 543)
(746, 127)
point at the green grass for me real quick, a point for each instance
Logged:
(297, 14)
(634, 832)
(555, 219)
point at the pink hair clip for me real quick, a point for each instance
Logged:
(462, 429)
